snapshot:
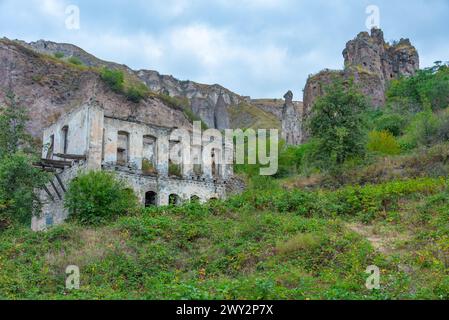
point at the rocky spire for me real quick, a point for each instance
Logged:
(291, 121)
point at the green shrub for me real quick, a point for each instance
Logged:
(96, 197)
(423, 129)
(174, 169)
(174, 102)
(148, 167)
(59, 55)
(383, 142)
(300, 242)
(263, 183)
(136, 93)
(391, 122)
(114, 79)
(76, 61)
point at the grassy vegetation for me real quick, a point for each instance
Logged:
(248, 116)
(275, 245)
(116, 80)
(59, 55)
(75, 60)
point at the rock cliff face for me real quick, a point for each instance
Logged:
(49, 87)
(372, 63)
(209, 102)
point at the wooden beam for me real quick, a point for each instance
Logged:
(70, 156)
(56, 162)
(60, 182)
(48, 193)
(56, 189)
(44, 166)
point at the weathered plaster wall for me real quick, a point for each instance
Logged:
(77, 122)
(164, 187)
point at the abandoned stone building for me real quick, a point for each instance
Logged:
(87, 139)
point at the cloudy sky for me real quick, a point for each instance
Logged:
(260, 48)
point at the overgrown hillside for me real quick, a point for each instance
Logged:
(259, 245)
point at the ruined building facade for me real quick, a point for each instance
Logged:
(87, 139)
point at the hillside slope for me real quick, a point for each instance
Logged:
(261, 245)
(211, 103)
(49, 87)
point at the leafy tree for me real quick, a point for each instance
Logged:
(429, 88)
(337, 123)
(13, 135)
(18, 180)
(18, 177)
(96, 197)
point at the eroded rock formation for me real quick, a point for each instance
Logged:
(372, 63)
(291, 120)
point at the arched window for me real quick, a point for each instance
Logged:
(65, 137)
(150, 199)
(123, 148)
(174, 200)
(194, 199)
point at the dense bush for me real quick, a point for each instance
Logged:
(136, 93)
(391, 122)
(114, 79)
(96, 197)
(422, 130)
(383, 142)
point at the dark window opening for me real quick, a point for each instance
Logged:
(195, 199)
(174, 200)
(65, 141)
(150, 199)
